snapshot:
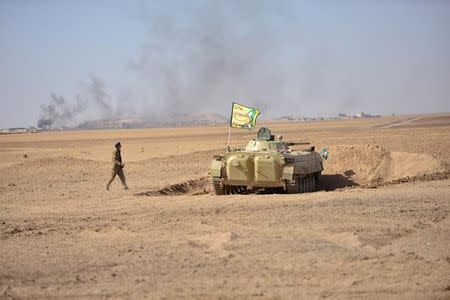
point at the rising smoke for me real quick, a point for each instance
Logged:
(97, 90)
(289, 57)
(196, 62)
(199, 56)
(207, 56)
(59, 112)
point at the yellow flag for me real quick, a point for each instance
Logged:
(243, 116)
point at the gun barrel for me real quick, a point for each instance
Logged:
(298, 143)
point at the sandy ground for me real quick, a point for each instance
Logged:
(379, 227)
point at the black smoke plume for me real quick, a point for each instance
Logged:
(60, 113)
(226, 51)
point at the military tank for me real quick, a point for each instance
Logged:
(267, 163)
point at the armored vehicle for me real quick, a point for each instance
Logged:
(266, 163)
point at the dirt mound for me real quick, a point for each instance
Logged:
(197, 186)
(348, 165)
(371, 165)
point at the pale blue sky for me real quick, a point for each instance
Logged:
(286, 57)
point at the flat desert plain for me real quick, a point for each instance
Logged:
(378, 228)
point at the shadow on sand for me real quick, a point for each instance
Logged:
(331, 182)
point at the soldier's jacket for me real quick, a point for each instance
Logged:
(117, 159)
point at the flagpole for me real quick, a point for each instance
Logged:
(229, 126)
(229, 137)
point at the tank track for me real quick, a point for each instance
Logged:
(234, 190)
(305, 184)
(227, 190)
(218, 188)
(291, 187)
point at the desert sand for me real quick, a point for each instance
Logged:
(378, 228)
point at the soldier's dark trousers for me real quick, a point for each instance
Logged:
(119, 172)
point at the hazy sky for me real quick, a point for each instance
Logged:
(154, 58)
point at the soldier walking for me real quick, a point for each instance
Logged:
(117, 167)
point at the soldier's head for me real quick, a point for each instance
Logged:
(118, 145)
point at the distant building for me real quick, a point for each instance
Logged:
(361, 115)
(14, 130)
